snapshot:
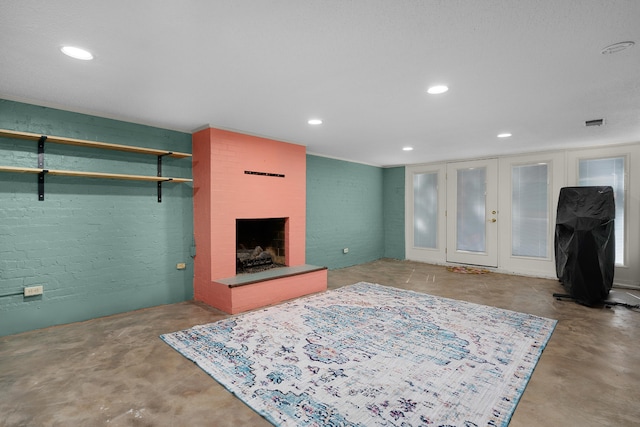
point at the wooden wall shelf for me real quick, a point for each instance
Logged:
(95, 144)
(127, 177)
(41, 171)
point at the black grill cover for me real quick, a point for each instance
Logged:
(585, 242)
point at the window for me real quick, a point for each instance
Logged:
(608, 171)
(471, 210)
(529, 210)
(425, 210)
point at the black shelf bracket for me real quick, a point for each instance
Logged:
(160, 174)
(41, 186)
(41, 141)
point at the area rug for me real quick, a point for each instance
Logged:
(371, 355)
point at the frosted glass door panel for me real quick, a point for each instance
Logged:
(471, 208)
(472, 212)
(598, 172)
(529, 210)
(425, 210)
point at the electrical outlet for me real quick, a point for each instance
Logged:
(345, 251)
(31, 291)
(181, 265)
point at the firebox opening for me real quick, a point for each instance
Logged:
(260, 244)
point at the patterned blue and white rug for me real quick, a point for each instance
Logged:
(371, 355)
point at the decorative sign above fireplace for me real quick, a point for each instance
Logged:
(277, 175)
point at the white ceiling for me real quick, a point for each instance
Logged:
(529, 67)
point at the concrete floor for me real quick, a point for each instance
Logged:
(115, 371)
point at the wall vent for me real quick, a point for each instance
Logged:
(597, 122)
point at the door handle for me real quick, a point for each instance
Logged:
(492, 220)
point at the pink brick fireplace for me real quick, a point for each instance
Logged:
(238, 176)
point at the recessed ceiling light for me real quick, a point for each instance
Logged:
(504, 135)
(407, 148)
(616, 47)
(77, 53)
(315, 122)
(438, 89)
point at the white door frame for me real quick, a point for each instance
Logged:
(533, 266)
(488, 255)
(564, 173)
(432, 255)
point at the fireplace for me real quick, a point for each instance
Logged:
(249, 192)
(260, 244)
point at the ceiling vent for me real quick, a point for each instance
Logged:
(597, 122)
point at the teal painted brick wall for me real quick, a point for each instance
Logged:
(344, 210)
(393, 200)
(98, 246)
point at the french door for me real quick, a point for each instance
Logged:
(472, 212)
(452, 214)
